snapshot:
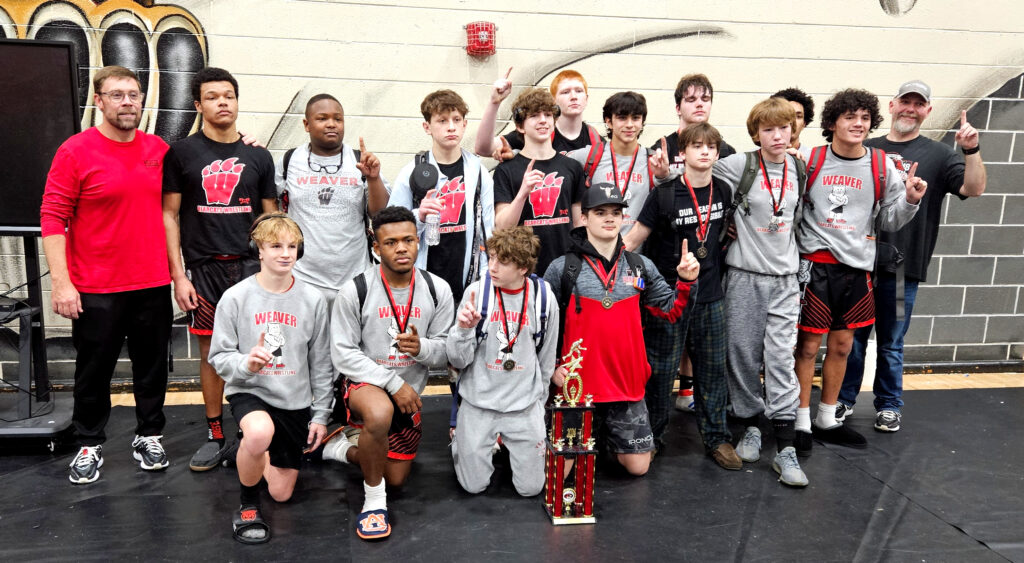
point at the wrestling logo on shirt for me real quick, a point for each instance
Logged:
(453, 197)
(220, 178)
(544, 202)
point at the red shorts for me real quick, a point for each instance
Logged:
(405, 431)
(838, 297)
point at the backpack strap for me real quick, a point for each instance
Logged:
(360, 282)
(593, 159)
(573, 263)
(637, 268)
(430, 284)
(750, 170)
(666, 211)
(878, 172)
(751, 167)
(813, 168)
(284, 163)
(650, 173)
(483, 305)
(540, 292)
(417, 198)
(595, 136)
(284, 177)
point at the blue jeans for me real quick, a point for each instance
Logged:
(889, 333)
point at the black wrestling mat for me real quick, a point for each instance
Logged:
(947, 487)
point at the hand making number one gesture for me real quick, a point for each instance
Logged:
(688, 268)
(368, 164)
(259, 356)
(967, 136)
(915, 185)
(658, 162)
(531, 179)
(469, 317)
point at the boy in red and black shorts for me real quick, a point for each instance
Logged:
(852, 191)
(214, 187)
(388, 328)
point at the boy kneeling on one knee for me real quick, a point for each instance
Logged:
(271, 345)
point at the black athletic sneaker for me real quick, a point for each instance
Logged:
(841, 436)
(843, 411)
(803, 443)
(85, 468)
(149, 452)
(888, 421)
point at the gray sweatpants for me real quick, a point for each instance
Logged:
(761, 311)
(521, 432)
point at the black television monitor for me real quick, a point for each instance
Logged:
(39, 89)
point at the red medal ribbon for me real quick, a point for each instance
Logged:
(702, 224)
(607, 278)
(402, 324)
(782, 193)
(615, 171)
(522, 314)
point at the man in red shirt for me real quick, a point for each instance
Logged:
(103, 235)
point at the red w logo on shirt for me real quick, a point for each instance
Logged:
(219, 180)
(453, 196)
(545, 197)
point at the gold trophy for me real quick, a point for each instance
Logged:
(571, 503)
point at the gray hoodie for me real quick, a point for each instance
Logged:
(758, 248)
(842, 216)
(484, 383)
(363, 342)
(294, 324)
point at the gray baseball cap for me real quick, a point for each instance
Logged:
(915, 87)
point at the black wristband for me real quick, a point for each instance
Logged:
(971, 151)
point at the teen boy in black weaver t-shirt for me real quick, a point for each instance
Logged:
(539, 188)
(214, 188)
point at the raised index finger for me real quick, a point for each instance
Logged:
(509, 73)
(263, 337)
(913, 170)
(362, 146)
(963, 118)
(529, 167)
(664, 146)
(686, 248)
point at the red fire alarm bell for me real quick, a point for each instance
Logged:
(480, 38)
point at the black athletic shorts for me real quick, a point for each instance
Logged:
(838, 297)
(405, 431)
(210, 280)
(624, 426)
(291, 428)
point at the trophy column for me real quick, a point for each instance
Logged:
(571, 448)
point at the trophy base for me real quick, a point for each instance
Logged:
(566, 520)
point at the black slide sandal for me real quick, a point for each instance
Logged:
(246, 518)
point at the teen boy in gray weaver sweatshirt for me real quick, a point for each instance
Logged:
(282, 323)
(504, 379)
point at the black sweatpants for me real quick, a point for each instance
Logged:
(143, 317)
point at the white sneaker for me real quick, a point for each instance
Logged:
(788, 468)
(684, 402)
(337, 448)
(749, 447)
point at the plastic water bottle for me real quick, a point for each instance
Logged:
(433, 230)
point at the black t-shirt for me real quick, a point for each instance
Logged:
(449, 256)
(222, 186)
(661, 246)
(558, 142)
(943, 168)
(676, 158)
(549, 208)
